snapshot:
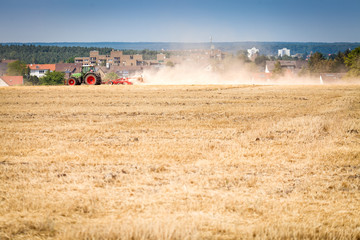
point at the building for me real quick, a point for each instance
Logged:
(11, 80)
(331, 78)
(161, 57)
(122, 71)
(196, 55)
(8, 60)
(39, 70)
(116, 58)
(253, 53)
(68, 68)
(291, 66)
(284, 52)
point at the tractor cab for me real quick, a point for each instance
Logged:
(87, 68)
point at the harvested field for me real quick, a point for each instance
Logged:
(180, 162)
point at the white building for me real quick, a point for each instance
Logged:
(39, 70)
(284, 52)
(252, 52)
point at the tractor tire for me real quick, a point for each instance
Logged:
(92, 79)
(98, 80)
(72, 81)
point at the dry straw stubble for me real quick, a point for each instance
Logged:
(180, 162)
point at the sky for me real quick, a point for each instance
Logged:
(180, 20)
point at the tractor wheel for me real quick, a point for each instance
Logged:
(98, 80)
(72, 81)
(90, 79)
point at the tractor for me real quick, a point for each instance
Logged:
(87, 76)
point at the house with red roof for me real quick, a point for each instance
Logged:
(8, 61)
(11, 81)
(39, 70)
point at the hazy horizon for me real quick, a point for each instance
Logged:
(266, 48)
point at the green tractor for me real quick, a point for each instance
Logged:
(87, 76)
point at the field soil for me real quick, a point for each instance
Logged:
(180, 162)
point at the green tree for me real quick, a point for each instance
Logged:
(52, 78)
(352, 61)
(147, 54)
(70, 60)
(316, 63)
(17, 68)
(304, 71)
(32, 80)
(286, 58)
(242, 56)
(278, 71)
(261, 60)
(338, 64)
(111, 76)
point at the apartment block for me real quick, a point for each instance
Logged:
(284, 52)
(116, 58)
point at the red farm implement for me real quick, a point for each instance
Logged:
(122, 81)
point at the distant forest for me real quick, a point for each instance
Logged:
(40, 53)
(54, 54)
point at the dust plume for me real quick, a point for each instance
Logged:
(197, 67)
(230, 73)
(189, 73)
(225, 73)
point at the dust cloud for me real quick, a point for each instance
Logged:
(231, 73)
(191, 73)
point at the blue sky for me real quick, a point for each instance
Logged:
(180, 20)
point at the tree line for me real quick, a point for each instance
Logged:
(32, 54)
(54, 54)
(341, 62)
(347, 61)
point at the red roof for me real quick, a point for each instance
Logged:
(13, 80)
(8, 61)
(50, 67)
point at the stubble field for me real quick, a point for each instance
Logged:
(180, 162)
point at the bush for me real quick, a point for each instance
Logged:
(32, 80)
(352, 61)
(52, 78)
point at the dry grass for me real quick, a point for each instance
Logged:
(175, 162)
